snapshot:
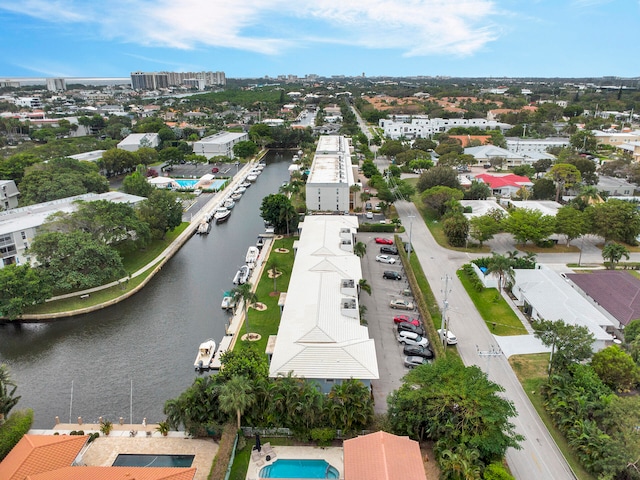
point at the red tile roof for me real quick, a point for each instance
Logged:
(40, 453)
(466, 139)
(617, 292)
(117, 473)
(510, 180)
(382, 456)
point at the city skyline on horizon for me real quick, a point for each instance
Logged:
(351, 38)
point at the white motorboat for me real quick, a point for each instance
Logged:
(252, 178)
(206, 351)
(222, 214)
(204, 228)
(240, 189)
(260, 242)
(252, 255)
(255, 171)
(229, 204)
(235, 196)
(295, 158)
(228, 301)
(242, 275)
(260, 166)
(246, 184)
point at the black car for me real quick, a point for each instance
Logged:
(389, 249)
(391, 275)
(417, 351)
(410, 327)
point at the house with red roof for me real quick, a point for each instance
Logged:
(382, 456)
(505, 185)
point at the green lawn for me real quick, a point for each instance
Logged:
(266, 322)
(134, 261)
(531, 371)
(425, 288)
(495, 311)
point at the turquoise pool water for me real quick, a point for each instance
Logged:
(190, 184)
(293, 468)
(145, 460)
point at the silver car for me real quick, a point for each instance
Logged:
(385, 259)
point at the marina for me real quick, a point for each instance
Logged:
(148, 340)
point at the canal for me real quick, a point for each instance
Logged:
(146, 344)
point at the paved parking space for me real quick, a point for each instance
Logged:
(379, 317)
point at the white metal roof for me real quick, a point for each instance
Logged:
(315, 338)
(555, 299)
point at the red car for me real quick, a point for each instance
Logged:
(384, 241)
(406, 319)
(215, 170)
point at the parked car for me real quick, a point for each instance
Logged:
(409, 327)
(406, 247)
(215, 170)
(411, 338)
(451, 338)
(414, 361)
(418, 351)
(389, 249)
(388, 274)
(401, 304)
(369, 215)
(385, 259)
(367, 206)
(384, 241)
(405, 318)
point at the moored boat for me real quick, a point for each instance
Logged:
(228, 301)
(242, 275)
(235, 196)
(222, 214)
(246, 184)
(240, 189)
(252, 178)
(252, 255)
(229, 204)
(206, 351)
(204, 228)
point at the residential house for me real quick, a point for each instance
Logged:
(506, 185)
(219, 144)
(484, 154)
(135, 141)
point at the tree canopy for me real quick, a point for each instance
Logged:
(526, 225)
(277, 210)
(20, 287)
(438, 176)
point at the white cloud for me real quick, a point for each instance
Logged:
(415, 27)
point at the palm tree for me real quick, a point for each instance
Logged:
(273, 265)
(364, 285)
(7, 390)
(360, 249)
(236, 395)
(502, 267)
(287, 213)
(245, 293)
(614, 252)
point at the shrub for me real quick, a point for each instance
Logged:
(323, 436)
(496, 471)
(14, 429)
(225, 450)
(377, 227)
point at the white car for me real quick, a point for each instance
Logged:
(369, 215)
(451, 338)
(411, 338)
(385, 259)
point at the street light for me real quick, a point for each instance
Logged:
(411, 217)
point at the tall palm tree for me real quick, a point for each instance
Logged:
(235, 396)
(287, 213)
(501, 267)
(364, 285)
(273, 265)
(245, 293)
(360, 249)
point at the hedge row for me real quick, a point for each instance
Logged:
(377, 227)
(225, 449)
(14, 429)
(473, 277)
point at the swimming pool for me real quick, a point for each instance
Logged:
(150, 460)
(188, 184)
(294, 468)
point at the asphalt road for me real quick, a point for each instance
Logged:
(539, 457)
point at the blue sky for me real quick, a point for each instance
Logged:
(254, 38)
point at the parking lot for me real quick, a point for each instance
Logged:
(379, 316)
(188, 170)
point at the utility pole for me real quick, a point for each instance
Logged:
(445, 306)
(492, 352)
(411, 217)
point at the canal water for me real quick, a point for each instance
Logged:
(146, 344)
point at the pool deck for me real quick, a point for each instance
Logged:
(332, 455)
(103, 451)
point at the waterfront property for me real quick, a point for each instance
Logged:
(330, 176)
(135, 141)
(221, 143)
(18, 227)
(299, 468)
(320, 337)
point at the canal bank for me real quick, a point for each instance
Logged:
(142, 348)
(156, 264)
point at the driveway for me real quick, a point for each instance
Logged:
(539, 457)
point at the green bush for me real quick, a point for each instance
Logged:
(496, 471)
(323, 436)
(473, 277)
(377, 227)
(14, 429)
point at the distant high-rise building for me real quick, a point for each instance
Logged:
(56, 84)
(154, 80)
